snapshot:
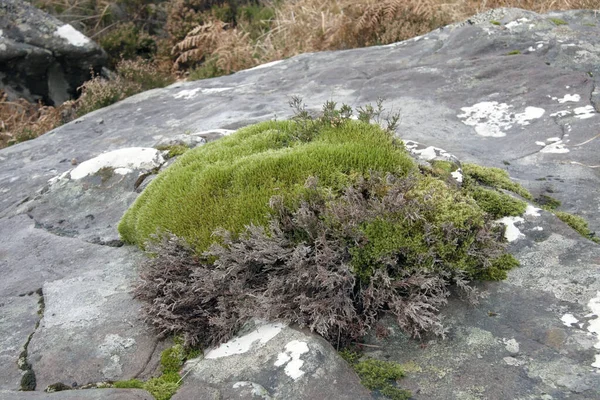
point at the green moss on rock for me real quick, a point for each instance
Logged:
(577, 223)
(129, 384)
(498, 204)
(164, 386)
(380, 376)
(494, 177)
(28, 381)
(228, 183)
(173, 150)
(548, 202)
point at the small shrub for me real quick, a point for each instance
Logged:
(127, 41)
(148, 75)
(513, 53)
(100, 92)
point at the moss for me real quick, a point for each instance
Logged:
(494, 22)
(57, 387)
(577, 223)
(130, 384)
(513, 52)
(172, 359)
(558, 21)
(166, 385)
(498, 204)
(380, 375)
(548, 202)
(161, 389)
(499, 268)
(228, 183)
(422, 244)
(443, 169)
(494, 177)
(28, 381)
(173, 150)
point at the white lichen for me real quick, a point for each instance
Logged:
(492, 119)
(533, 211)
(570, 97)
(291, 358)
(511, 233)
(72, 35)
(584, 112)
(262, 334)
(131, 158)
(569, 320)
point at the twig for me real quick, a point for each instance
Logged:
(589, 140)
(367, 345)
(589, 166)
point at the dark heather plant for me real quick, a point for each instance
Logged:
(334, 264)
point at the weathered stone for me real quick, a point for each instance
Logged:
(272, 361)
(534, 336)
(42, 57)
(88, 394)
(18, 316)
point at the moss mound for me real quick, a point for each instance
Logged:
(327, 223)
(228, 183)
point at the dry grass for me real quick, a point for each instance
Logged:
(21, 120)
(292, 27)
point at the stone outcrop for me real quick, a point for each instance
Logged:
(42, 58)
(510, 89)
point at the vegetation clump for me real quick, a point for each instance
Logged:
(325, 222)
(377, 375)
(164, 386)
(579, 224)
(495, 178)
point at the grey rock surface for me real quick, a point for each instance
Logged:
(90, 394)
(42, 58)
(271, 361)
(534, 114)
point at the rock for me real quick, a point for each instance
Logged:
(90, 394)
(271, 361)
(42, 58)
(534, 114)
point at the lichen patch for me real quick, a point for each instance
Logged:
(512, 233)
(533, 211)
(72, 35)
(291, 358)
(493, 119)
(555, 147)
(120, 160)
(568, 98)
(569, 320)
(243, 344)
(189, 94)
(584, 112)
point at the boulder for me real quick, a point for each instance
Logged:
(271, 361)
(42, 58)
(464, 94)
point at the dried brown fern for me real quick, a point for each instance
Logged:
(230, 48)
(21, 120)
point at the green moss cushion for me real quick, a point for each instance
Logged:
(228, 183)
